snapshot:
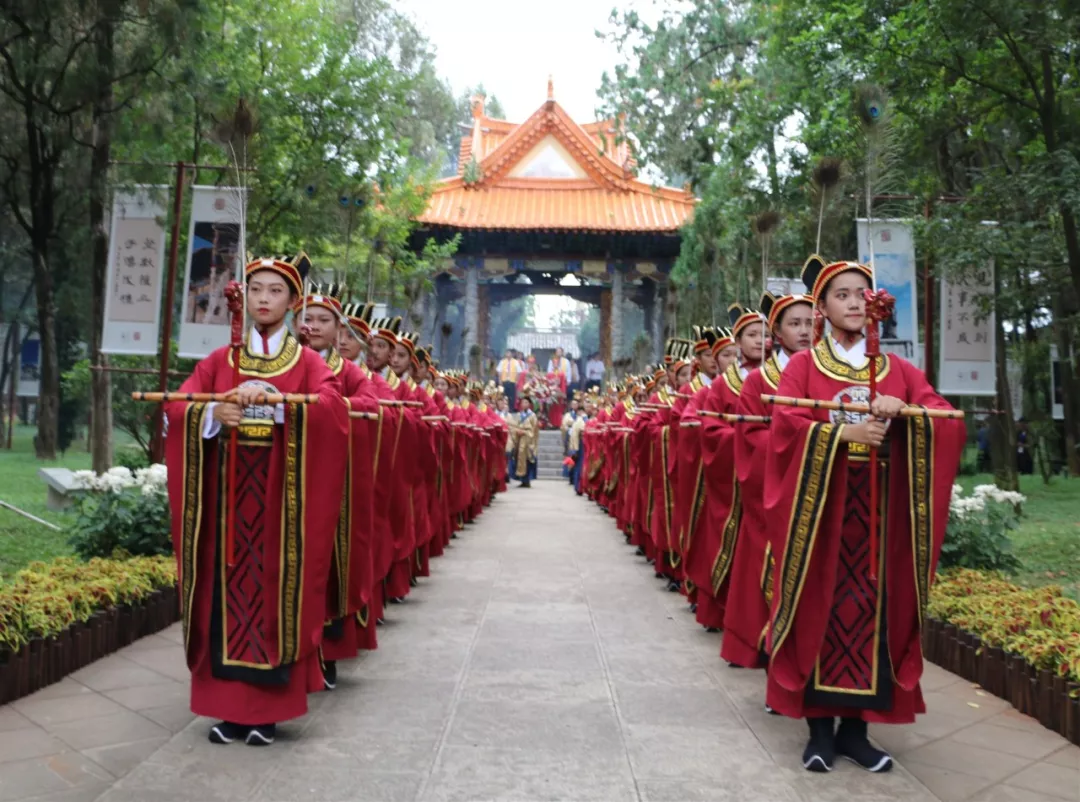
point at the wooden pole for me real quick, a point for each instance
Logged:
(13, 376)
(929, 316)
(157, 448)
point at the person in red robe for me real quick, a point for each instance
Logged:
(349, 589)
(723, 352)
(686, 473)
(665, 460)
(713, 548)
(842, 643)
(253, 605)
(354, 346)
(791, 322)
(421, 456)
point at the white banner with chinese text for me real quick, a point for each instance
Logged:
(213, 260)
(136, 255)
(967, 335)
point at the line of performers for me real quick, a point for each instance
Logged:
(291, 542)
(764, 522)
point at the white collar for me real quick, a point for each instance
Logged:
(324, 353)
(255, 342)
(854, 356)
(782, 358)
(706, 379)
(744, 371)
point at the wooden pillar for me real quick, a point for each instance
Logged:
(483, 320)
(617, 347)
(472, 310)
(605, 328)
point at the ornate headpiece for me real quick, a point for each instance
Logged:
(704, 338)
(773, 307)
(328, 297)
(741, 317)
(386, 328)
(816, 274)
(724, 338)
(294, 270)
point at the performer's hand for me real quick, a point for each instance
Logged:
(249, 396)
(303, 334)
(868, 433)
(228, 414)
(886, 406)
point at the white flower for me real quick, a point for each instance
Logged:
(995, 493)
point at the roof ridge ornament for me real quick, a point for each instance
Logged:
(551, 87)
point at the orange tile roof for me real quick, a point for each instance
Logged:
(607, 198)
(524, 207)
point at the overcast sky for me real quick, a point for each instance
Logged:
(511, 47)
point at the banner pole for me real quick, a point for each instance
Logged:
(158, 447)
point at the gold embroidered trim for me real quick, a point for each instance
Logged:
(921, 479)
(770, 372)
(335, 362)
(722, 564)
(291, 581)
(827, 361)
(733, 379)
(283, 361)
(815, 471)
(192, 511)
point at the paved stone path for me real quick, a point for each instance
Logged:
(541, 661)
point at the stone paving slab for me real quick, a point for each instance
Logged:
(541, 661)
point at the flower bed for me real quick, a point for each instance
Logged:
(57, 617)
(1021, 645)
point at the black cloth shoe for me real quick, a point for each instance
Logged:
(852, 743)
(674, 586)
(820, 752)
(397, 599)
(693, 607)
(711, 630)
(329, 675)
(640, 552)
(262, 735)
(225, 732)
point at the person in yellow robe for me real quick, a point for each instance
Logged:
(525, 435)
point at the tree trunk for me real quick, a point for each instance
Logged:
(1002, 425)
(48, 407)
(101, 423)
(1067, 379)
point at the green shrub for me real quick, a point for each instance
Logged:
(978, 532)
(122, 512)
(43, 599)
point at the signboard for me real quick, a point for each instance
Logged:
(29, 385)
(136, 256)
(785, 286)
(967, 336)
(214, 259)
(1057, 395)
(894, 271)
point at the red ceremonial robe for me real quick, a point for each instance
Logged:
(660, 523)
(839, 643)
(750, 590)
(407, 475)
(350, 626)
(689, 491)
(387, 471)
(713, 547)
(252, 630)
(641, 449)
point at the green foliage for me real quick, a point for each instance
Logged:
(981, 542)
(128, 522)
(1040, 625)
(43, 599)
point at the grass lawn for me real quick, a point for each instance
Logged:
(1047, 541)
(22, 540)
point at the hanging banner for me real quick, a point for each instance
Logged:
(213, 260)
(967, 336)
(894, 271)
(136, 256)
(29, 384)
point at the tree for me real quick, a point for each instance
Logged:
(58, 80)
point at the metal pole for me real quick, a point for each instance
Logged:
(13, 375)
(158, 446)
(929, 318)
